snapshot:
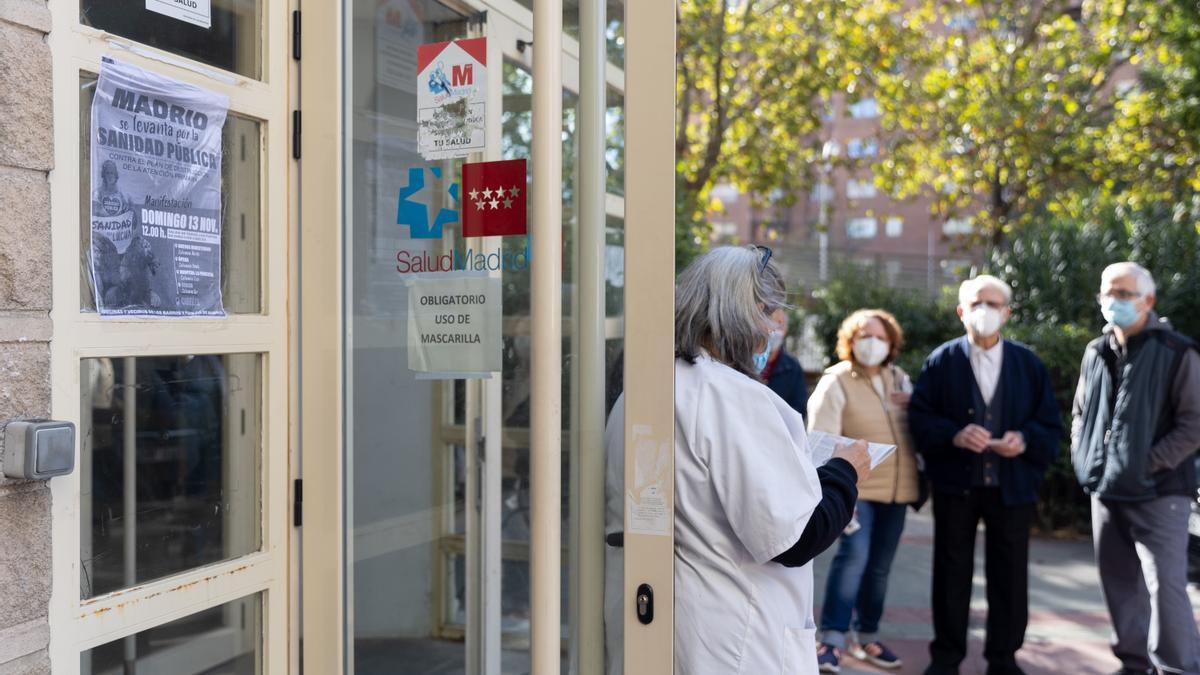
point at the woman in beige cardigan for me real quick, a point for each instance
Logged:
(865, 396)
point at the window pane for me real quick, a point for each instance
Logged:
(959, 226)
(232, 43)
(169, 466)
(860, 228)
(866, 108)
(614, 146)
(614, 30)
(226, 639)
(241, 232)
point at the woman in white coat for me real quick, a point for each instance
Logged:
(751, 510)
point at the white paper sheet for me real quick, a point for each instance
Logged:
(823, 445)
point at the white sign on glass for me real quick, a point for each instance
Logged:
(454, 325)
(195, 12)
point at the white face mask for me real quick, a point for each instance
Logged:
(871, 351)
(983, 320)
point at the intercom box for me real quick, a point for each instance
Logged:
(38, 449)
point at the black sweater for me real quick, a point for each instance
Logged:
(839, 492)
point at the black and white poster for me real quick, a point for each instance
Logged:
(156, 195)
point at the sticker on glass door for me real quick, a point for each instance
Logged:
(451, 98)
(454, 325)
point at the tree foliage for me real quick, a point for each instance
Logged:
(1000, 107)
(751, 75)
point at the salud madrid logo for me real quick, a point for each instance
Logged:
(495, 206)
(416, 215)
(494, 202)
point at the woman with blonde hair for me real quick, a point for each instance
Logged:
(865, 395)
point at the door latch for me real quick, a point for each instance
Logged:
(645, 604)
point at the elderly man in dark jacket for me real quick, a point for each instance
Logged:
(984, 418)
(1134, 432)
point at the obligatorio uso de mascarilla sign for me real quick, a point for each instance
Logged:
(454, 325)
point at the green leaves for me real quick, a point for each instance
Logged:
(998, 109)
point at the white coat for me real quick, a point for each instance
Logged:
(745, 487)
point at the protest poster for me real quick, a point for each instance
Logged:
(451, 97)
(156, 195)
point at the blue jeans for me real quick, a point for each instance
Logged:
(857, 582)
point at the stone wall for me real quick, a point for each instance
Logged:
(26, 157)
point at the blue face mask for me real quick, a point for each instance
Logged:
(760, 359)
(1120, 313)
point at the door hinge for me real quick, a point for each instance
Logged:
(297, 502)
(296, 34)
(295, 134)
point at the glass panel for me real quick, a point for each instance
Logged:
(241, 190)
(223, 640)
(408, 461)
(516, 123)
(614, 33)
(409, 456)
(232, 43)
(169, 465)
(614, 154)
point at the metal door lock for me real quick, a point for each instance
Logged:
(645, 604)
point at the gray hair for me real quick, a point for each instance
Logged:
(1145, 281)
(968, 289)
(723, 303)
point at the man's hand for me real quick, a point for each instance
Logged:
(972, 437)
(855, 453)
(900, 399)
(1010, 445)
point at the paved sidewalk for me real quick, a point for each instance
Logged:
(1068, 624)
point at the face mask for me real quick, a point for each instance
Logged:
(983, 320)
(871, 351)
(1120, 313)
(760, 359)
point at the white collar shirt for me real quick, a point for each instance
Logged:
(986, 364)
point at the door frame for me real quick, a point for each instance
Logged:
(650, 359)
(321, 403)
(78, 625)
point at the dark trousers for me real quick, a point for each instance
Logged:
(1141, 550)
(1006, 555)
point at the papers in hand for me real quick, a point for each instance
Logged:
(822, 446)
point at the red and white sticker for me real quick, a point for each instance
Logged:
(451, 98)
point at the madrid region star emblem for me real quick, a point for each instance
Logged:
(494, 198)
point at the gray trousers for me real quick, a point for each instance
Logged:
(1141, 550)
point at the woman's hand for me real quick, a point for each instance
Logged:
(900, 399)
(856, 453)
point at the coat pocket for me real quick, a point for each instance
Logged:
(800, 650)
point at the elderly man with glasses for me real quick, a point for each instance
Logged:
(984, 418)
(1134, 433)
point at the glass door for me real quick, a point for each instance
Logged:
(413, 435)
(418, 530)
